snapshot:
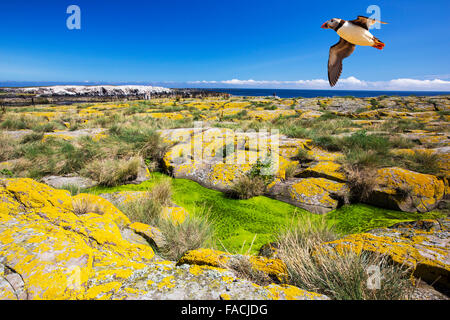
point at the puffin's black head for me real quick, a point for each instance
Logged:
(331, 24)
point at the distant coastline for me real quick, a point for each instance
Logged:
(258, 92)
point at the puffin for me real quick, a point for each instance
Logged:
(352, 33)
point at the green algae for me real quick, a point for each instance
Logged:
(237, 222)
(358, 218)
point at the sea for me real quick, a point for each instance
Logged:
(282, 93)
(294, 93)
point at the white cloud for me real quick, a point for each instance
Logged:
(350, 83)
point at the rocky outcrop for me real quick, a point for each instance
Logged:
(94, 90)
(319, 182)
(274, 268)
(405, 190)
(317, 195)
(49, 250)
(317, 192)
(422, 245)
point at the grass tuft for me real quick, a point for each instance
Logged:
(341, 276)
(111, 172)
(84, 206)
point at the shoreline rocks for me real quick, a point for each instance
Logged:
(48, 252)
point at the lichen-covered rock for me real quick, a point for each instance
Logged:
(60, 182)
(443, 155)
(317, 195)
(405, 190)
(208, 165)
(49, 252)
(53, 250)
(268, 115)
(422, 245)
(166, 281)
(274, 268)
(142, 233)
(324, 169)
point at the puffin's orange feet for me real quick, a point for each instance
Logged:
(378, 44)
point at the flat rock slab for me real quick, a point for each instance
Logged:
(68, 135)
(17, 134)
(60, 182)
(317, 195)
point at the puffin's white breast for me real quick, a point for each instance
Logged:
(355, 34)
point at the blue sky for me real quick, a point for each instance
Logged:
(228, 43)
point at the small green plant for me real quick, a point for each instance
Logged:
(328, 143)
(374, 102)
(364, 159)
(47, 127)
(32, 137)
(73, 189)
(263, 169)
(402, 125)
(303, 156)
(401, 143)
(254, 183)
(6, 172)
(15, 122)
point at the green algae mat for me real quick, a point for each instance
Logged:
(242, 225)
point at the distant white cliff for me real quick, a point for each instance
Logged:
(132, 90)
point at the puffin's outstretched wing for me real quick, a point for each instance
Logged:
(365, 22)
(338, 52)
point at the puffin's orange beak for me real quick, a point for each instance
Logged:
(325, 25)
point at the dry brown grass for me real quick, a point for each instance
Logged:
(111, 172)
(84, 206)
(7, 147)
(195, 232)
(247, 187)
(361, 182)
(343, 275)
(162, 192)
(242, 268)
(144, 210)
(291, 170)
(20, 166)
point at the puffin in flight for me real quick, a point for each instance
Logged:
(353, 32)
